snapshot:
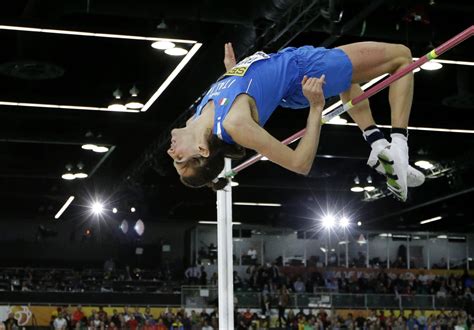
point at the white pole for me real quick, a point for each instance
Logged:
(224, 254)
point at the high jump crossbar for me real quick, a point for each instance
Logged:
(467, 33)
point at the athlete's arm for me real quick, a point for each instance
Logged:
(229, 56)
(249, 134)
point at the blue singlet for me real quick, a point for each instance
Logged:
(275, 80)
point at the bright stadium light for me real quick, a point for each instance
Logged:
(97, 208)
(344, 222)
(328, 221)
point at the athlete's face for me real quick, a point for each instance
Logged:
(185, 150)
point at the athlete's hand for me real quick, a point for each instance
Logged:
(313, 91)
(229, 56)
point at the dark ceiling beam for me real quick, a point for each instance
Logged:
(351, 24)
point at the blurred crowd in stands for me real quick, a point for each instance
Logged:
(269, 279)
(316, 319)
(87, 280)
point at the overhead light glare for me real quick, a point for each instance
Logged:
(163, 45)
(328, 221)
(100, 149)
(134, 105)
(64, 207)
(80, 175)
(88, 146)
(117, 107)
(369, 188)
(442, 236)
(431, 220)
(357, 189)
(114, 210)
(68, 176)
(424, 164)
(97, 208)
(132, 209)
(431, 66)
(176, 51)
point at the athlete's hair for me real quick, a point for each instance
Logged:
(206, 169)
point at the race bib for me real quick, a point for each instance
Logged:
(241, 68)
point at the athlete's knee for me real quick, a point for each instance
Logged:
(404, 56)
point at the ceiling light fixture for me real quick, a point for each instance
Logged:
(424, 164)
(91, 34)
(163, 45)
(431, 66)
(64, 207)
(328, 221)
(132, 209)
(359, 223)
(80, 174)
(88, 146)
(195, 47)
(357, 187)
(431, 220)
(426, 129)
(100, 149)
(114, 210)
(60, 106)
(466, 63)
(117, 104)
(369, 188)
(257, 204)
(176, 51)
(215, 223)
(172, 75)
(338, 121)
(133, 102)
(68, 176)
(97, 208)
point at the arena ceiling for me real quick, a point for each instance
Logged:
(38, 141)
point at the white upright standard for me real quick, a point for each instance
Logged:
(224, 254)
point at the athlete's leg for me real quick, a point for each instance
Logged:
(360, 113)
(372, 59)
